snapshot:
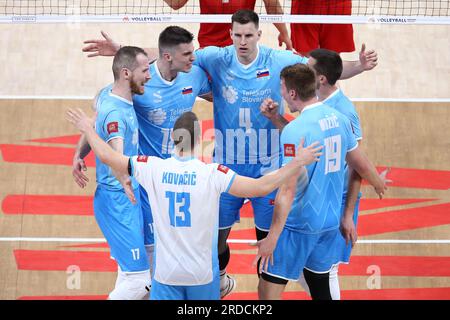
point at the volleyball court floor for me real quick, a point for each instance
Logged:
(51, 247)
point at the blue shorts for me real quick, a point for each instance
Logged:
(210, 291)
(230, 206)
(343, 251)
(296, 251)
(121, 224)
(149, 238)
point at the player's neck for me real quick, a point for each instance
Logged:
(184, 154)
(165, 71)
(303, 104)
(325, 91)
(122, 90)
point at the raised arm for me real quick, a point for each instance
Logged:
(367, 61)
(245, 187)
(274, 7)
(176, 4)
(108, 47)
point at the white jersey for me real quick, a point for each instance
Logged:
(184, 196)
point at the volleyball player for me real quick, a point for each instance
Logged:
(308, 210)
(118, 219)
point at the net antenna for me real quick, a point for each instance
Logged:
(158, 11)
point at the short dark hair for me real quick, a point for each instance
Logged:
(125, 57)
(245, 16)
(300, 78)
(328, 63)
(186, 131)
(173, 36)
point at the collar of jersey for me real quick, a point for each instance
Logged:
(246, 66)
(169, 83)
(183, 159)
(120, 98)
(312, 106)
(331, 96)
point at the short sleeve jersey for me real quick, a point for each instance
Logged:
(317, 202)
(184, 197)
(243, 134)
(116, 119)
(342, 103)
(162, 103)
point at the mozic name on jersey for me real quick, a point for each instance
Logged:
(328, 123)
(180, 179)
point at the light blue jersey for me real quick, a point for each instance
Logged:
(244, 135)
(317, 203)
(119, 220)
(115, 119)
(340, 102)
(161, 105)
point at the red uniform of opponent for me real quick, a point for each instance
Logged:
(337, 37)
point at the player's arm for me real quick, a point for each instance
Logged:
(274, 7)
(347, 226)
(246, 187)
(283, 203)
(176, 4)
(78, 164)
(270, 110)
(108, 47)
(359, 162)
(367, 61)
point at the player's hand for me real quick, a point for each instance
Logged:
(127, 185)
(269, 108)
(367, 59)
(266, 247)
(309, 154)
(348, 230)
(78, 166)
(79, 119)
(284, 38)
(382, 186)
(99, 47)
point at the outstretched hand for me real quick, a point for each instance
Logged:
(100, 47)
(79, 119)
(368, 59)
(309, 154)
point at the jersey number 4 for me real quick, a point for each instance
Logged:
(179, 203)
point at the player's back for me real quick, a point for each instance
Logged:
(162, 103)
(116, 119)
(184, 196)
(339, 101)
(316, 207)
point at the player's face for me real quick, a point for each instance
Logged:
(245, 40)
(140, 75)
(182, 57)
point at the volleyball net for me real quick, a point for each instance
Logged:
(187, 11)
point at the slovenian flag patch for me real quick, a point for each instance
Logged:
(187, 90)
(262, 73)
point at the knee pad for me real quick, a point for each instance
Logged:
(133, 286)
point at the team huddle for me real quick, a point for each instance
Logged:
(167, 216)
